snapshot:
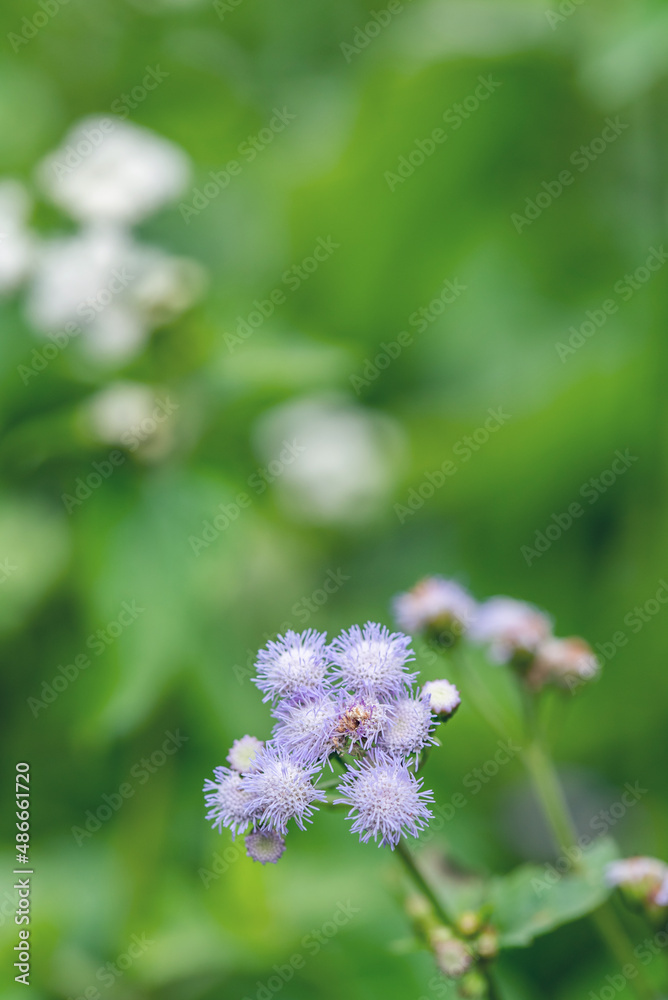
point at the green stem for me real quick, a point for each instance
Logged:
(421, 882)
(476, 692)
(549, 792)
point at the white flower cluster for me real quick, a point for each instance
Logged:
(100, 281)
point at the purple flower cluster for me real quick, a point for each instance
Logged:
(351, 706)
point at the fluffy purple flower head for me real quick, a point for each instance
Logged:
(410, 728)
(304, 729)
(279, 789)
(265, 847)
(432, 603)
(386, 801)
(372, 661)
(228, 801)
(444, 698)
(293, 663)
(242, 754)
(511, 628)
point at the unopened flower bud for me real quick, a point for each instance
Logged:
(473, 985)
(469, 923)
(444, 699)
(487, 943)
(418, 908)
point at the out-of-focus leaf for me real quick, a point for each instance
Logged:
(34, 546)
(535, 899)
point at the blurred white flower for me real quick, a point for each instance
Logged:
(111, 287)
(566, 662)
(133, 415)
(434, 602)
(17, 243)
(633, 870)
(510, 627)
(118, 408)
(347, 463)
(109, 170)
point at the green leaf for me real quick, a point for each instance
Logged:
(529, 901)
(535, 899)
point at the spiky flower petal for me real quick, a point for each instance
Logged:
(279, 790)
(410, 728)
(305, 727)
(293, 663)
(386, 801)
(228, 801)
(372, 661)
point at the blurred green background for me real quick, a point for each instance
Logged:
(216, 922)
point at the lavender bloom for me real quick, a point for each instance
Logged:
(434, 603)
(511, 628)
(266, 848)
(444, 698)
(386, 801)
(292, 664)
(242, 754)
(372, 662)
(305, 725)
(409, 729)
(279, 789)
(359, 722)
(228, 801)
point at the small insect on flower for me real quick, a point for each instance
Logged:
(372, 661)
(241, 756)
(436, 605)
(359, 723)
(444, 698)
(265, 847)
(386, 801)
(294, 663)
(279, 790)
(564, 662)
(513, 629)
(304, 729)
(228, 801)
(409, 730)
